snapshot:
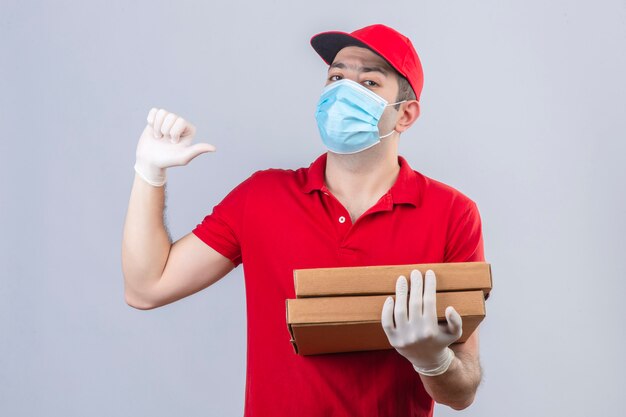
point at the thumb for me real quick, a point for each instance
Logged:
(197, 149)
(455, 323)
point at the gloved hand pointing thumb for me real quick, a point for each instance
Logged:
(166, 142)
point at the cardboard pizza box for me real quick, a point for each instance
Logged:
(380, 280)
(322, 325)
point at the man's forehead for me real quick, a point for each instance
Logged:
(358, 56)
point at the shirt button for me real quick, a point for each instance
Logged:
(342, 219)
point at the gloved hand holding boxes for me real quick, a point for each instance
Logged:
(339, 309)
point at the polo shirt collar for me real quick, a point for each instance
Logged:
(405, 190)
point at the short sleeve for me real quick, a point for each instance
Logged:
(465, 240)
(222, 229)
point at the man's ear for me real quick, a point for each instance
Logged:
(410, 111)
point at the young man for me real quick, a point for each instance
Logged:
(358, 204)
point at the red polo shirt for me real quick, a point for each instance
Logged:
(279, 220)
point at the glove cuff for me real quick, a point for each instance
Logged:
(156, 179)
(439, 369)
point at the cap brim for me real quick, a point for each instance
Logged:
(328, 44)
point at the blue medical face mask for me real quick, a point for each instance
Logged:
(347, 117)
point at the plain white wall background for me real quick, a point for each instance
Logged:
(523, 109)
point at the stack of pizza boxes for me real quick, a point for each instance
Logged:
(339, 309)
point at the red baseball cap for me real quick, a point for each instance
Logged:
(390, 44)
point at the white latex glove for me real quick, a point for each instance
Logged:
(166, 142)
(417, 335)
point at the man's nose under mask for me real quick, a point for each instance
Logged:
(347, 117)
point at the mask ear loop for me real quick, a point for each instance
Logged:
(388, 134)
(393, 104)
(393, 130)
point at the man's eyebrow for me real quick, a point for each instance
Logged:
(337, 65)
(377, 69)
(341, 65)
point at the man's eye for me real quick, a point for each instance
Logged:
(334, 77)
(370, 83)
